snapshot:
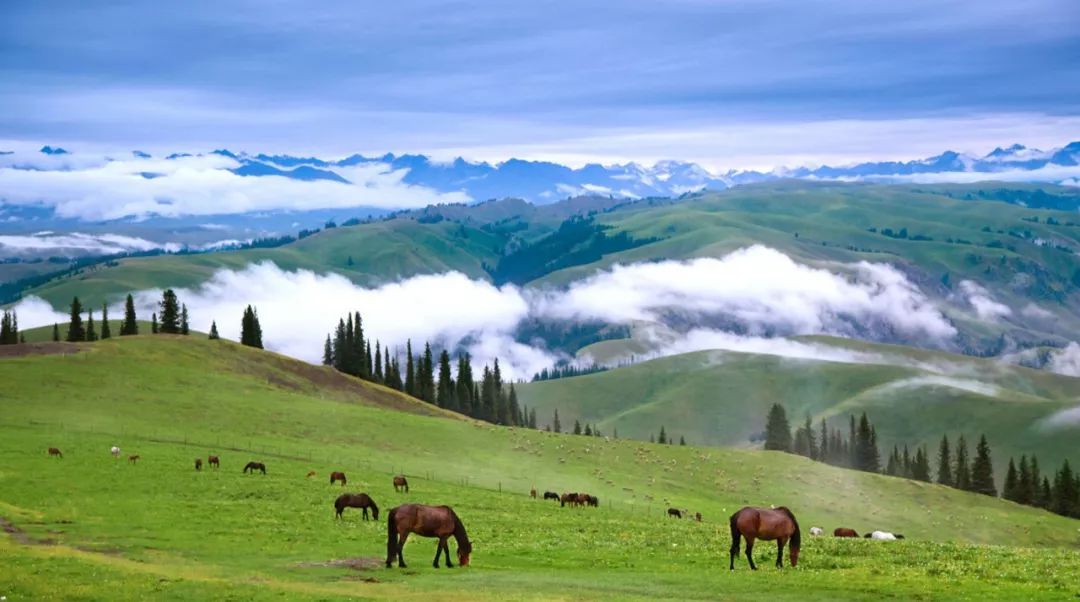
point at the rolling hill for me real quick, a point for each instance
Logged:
(89, 526)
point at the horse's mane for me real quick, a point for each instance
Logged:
(796, 537)
(459, 533)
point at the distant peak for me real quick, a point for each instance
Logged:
(49, 150)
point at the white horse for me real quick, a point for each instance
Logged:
(816, 531)
(115, 451)
(882, 536)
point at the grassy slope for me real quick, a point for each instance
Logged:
(721, 398)
(122, 531)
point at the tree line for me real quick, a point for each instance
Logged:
(488, 398)
(1025, 485)
(566, 371)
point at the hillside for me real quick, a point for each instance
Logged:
(912, 396)
(220, 533)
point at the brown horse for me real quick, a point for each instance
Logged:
(338, 476)
(401, 483)
(532, 493)
(844, 532)
(766, 524)
(253, 466)
(133, 458)
(551, 495)
(426, 521)
(592, 500)
(674, 512)
(697, 515)
(311, 473)
(214, 461)
(356, 500)
(198, 463)
(568, 498)
(53, 451)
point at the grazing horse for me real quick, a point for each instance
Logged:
(844, 532)
(253, 466)
(356, 500)
(568, 498)
(338, 476)
(551, 495)
(881, 536)
(53, 451)
(766, 524)
(115, 451)
(214, 461)
(426, 521)
(198, 463)
(697, 515)
(133, 458)
(312, 473)
(674, 512)
(592, 500)
(400, 482)
(532, 493)
(816, 531)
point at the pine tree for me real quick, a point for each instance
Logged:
(368, 369)
(169, 319)
(427, 375)
(91, 333)
(824, 451)
(866, 453)
(327, 352)
(184, 326)
(55, 332)
(377, 368)
(921, 469)
(1037, 480)
(982, 470)
(532, 418)
(682, 441)
(892, 467)
(1045, 497)
(1025, 485)
(76, 332)
(663, 436)
(410, 371)
(463, 395)
(588, 430)
(447, 388)
(1011, 488)
(388, 369)
(944, 471)
(556, 426)
(514, 408)
(250, 330)
(105, 331)
(153, 323)
(1064, 493)
(215, 336)
(963, 467)
(906, 464)
(577, 427)
(9, 328)
(129, 326)
(777, 431)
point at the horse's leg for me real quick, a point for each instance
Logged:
(365, 512)
(750, 552)
(734, 551)
(780, 553)
(438, 552)
(400, 547)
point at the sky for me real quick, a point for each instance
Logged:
(726, 84)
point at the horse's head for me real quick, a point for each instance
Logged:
(463, 551)
(794, 551)
(375, 511)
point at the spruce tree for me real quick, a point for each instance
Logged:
(1037, 480)
(55, 332)
(185, 327)
(91, 333)
(963, 467)
(824, 451)
(588, 430)
(427, 375)
(577, 427)
(377, 365)
(1025, 485)
(982, 470)
(682, 441)
(892, 467)
(153, 323)
(9, 328)
(129, 326)
(1045, 497)
(169, 319)
(515, 409)
(250, 329)
(663, 435)
(944, 471)
(1010, 490)
(463, 395)
(921, 469)
(328, 352)
(105, 331)
(214, 332)
(447, 388)
(76, 332)
(777, 430)
(556, 426)
(410, 371)
(368, 369)
(866, 453)
(532, 418)
(1064, 493)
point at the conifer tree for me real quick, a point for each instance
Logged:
(556, 426)
(55, 332)
(1037, 479)
(129, 326)
(369, 367)
(250, 330)
(652, 438)
(866, 453)
(892, 467)
(905, 464)
(487, 396)
(9, 328)
(963, 467)
(215, 336)
(463, 395)
(944, 471)
(153, 323)
(377, 368)
(502, 414)
(577, 427)
(91, 332)
(185, 327)
(921, 468)
(447, 388)
(514, 408)
(1064, 493)
(532, 418)
(1009, 491)
(105, 331)
(427, 375)
(588, 430)
(663, 435)
(410, 371)
(982, 470)
(327, 352)
(169, 319)
(76, 332)
(824, 451)
(1045, 497)
(682, 441)
(777, 430)
(388, 369)
(1025, 485)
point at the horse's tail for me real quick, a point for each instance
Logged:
(796, 536)
(735, 535)
(391, 537)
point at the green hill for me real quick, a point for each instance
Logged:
(912, 396)
(93, 527)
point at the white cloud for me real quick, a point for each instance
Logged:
(35, 311)
(98, 188)
(939, 381)
(700, 339)
(981, 301)
(1066, 361)
(1031, 310)
(1068, 418)
(77, 241)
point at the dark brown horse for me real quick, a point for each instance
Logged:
(551, 495)
(337, 476)
(356, 500)
(844, 532)
(532, 493)
(674, 512)
(312, 473)
(53, 451)
(592, 500)
(214, 461)
(400, 482)
(198, 463)
(133, 458)
(568, 498)
(766, 524)
(697, 515)
(426, 521)
(253, 466)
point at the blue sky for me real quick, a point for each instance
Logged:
(728, 84)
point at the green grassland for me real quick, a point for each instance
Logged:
(913, 397)
(92, 527)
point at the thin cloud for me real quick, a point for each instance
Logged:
(981, 301)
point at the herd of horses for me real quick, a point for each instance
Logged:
(749, 524)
